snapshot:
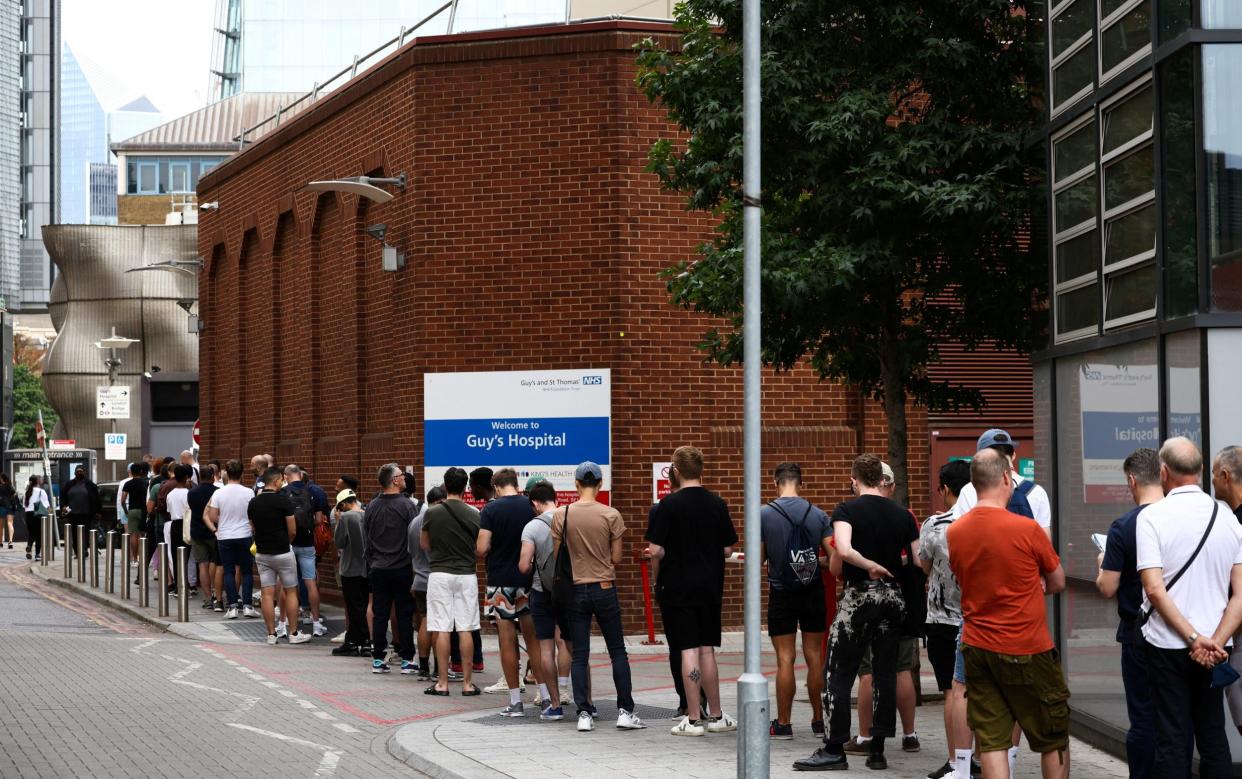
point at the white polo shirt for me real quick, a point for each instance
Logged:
(1167, 533)
(1041, 507)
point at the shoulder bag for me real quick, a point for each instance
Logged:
(1146, 615)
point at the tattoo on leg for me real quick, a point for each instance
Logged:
(695, 676)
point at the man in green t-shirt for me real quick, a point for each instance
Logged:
(450, 532)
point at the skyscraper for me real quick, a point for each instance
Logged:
(39, 49)
(10, 149)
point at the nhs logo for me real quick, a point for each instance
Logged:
(592, 380)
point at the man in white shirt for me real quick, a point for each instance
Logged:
(227, 512)
(1195, 538)
(1028, 501)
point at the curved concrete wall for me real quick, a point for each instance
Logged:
(98, 295)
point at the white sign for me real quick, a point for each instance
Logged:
(540, 423)
(660, 484)
(62, 443)
(114, 446)
(112, 403)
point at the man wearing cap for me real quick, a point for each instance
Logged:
(593, 534)
(353, 570)
(1029, 499)
(80, 501)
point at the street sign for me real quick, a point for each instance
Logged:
(112, 403)
(62, 443)
(661, 487)
(198, 433)
(114, 446)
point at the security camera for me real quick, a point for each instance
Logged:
(378, 232)
(214, 205)
(155, 369)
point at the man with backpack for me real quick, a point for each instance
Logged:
(794, 530)
(310, 508)
(537, 557)
(1029, 499)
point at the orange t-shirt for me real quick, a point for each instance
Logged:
(998, 559)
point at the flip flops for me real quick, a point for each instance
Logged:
(471, 692)
(433, 691)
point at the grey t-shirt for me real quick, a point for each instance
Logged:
(348, 537)
(944, 594)
(422, 564)
(539, 532)
(776, 530)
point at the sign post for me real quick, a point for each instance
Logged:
(114, 446)
(112, 402)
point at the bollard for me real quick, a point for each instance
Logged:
(183, 589)
(80, 549)
(126, 559)
(110, 563)
(94, 559)
(161, 577)
(144, 573)
(68, 551)
(45, 537)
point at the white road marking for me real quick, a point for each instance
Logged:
(331, 755)
(341, 726)
(322, 715)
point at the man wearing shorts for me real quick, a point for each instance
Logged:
(690, 535)
(273, 527)
(312, 500)
(203, 540)
(501, 523)
(450, 536)
(1002, 561)
(134, 498)
(795, 595)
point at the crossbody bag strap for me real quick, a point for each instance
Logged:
(1215, 509)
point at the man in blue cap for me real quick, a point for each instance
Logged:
(1029, 499)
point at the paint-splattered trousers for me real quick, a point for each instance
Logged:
(869, 615)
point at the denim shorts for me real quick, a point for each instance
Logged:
(959, 664)
(306, 561)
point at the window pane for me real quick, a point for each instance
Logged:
(1075, 151)
(1130, 292)
(1078, 309)
(1130, 235)
(1218, 14)
(1108, 6)
(1129, 177)
(1070, 25)
(1077, 257)
(1181, 267)
(1222, 147)
(1173, 18)
(1182, 372)
(146, 178)
(1126, 36)
(1073, 75)
(1127, 120)
(1076, 204)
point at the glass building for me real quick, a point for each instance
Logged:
(1143, 140)
(83, 137)
(10, 152)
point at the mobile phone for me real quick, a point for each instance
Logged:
(1099, 540)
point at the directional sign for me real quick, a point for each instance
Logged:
(112, 403)
(114, 446)
(198, 434)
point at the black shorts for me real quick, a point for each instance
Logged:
(546, 616)
(692, 624)
(789, 610)
(942, 652)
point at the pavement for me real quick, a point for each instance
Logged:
(100, 687)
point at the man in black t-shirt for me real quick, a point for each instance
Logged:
(871, 533)
(689, 537)
(134, 501)
(273, 526)
(203, 541)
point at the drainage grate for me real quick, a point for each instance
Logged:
(607, 714)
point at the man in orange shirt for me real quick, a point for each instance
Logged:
(1004, 563)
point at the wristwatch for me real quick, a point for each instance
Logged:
(1192, 638)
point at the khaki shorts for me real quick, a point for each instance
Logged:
(1029, 689)
(907, 648)
(206, 551)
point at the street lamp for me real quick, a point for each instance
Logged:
(114, 344)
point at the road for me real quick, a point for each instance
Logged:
(92, 693)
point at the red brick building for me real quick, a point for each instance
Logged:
(533, 238)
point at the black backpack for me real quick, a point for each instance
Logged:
(303, 509)
(562, 591)
(801, 561)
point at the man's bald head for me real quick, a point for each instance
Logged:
(987, 470)
(1181, 463)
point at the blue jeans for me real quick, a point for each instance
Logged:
(236, 551)
(593, 600)
(306, 570)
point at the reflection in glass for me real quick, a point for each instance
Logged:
(1078, 310)
(1073, 75)
(1222, 148)
(1221, 14)
(1075, 151)
(1129, 177)
(1126, 37)
(1182, 363)
(1130, 292)
(1127, 120)
(1077, 257)
(1108, 6)
(1173, 18)
(1131, 235)
(1076, 204)
(1070, 25)
(1181, 272)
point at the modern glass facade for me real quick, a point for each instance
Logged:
(40, 152)
(1143, 141)
(83, 138)
(10, 151)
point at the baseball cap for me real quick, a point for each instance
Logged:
(995, 437)
(589, 470)
(535, 479)
(889, 477)
(345, 495)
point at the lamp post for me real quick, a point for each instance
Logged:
(113, 345)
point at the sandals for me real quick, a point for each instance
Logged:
(433, 691)
(474, 690)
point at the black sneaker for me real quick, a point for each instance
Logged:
(877, 762)
(975, 768)
(910, 743)
(779, 732)
(193, 592)
(817, 727)
(943, 771)
(345, 650)
(821, 760)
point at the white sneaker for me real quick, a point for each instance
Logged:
(282, 630)
(724, 724)
(232, 613)
(300, 637)
(318, 628)
(629, 721)
(585, 723)
(501, 686)
(277, 610)
(686, 728)
(248, 611)
(271, 639)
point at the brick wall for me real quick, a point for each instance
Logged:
(142, 209)
(533, 238)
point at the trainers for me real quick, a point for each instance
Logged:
(779, 732)
(193, 592)
(477, 668)
(231, 613)
(552, 713)
(345, 650)
(817, 727)
(248, 611)
(566, 698)
(627, 720)
(856, 747)
(513, 710)
(687, 728)
(943, 772)
(318, 628)
(282, 630)
(501, 686)
(379, 667)
(300, 637)
(409, 669)
(976, 768)
(217, 606)
(455, 676)
(877, 762)
(208, 605)
(585, 722)
(722, 724)
(424, 674)
(271, 639)
(910, 743)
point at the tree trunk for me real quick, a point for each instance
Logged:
(893, 378)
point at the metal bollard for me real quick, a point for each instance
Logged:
(45, 538)
(68, 551)
(80, 536)
(144, 573)
(161, 577)
(110, 563)
(183, 588)
(94, 559)
(126, 559)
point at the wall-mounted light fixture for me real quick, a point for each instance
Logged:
(363, 186)
(391, 259)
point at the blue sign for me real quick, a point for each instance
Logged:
(542, 441)
(1113, 435)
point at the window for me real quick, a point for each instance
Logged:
(1177, 128)
(1221, 14)
(148, 178)
(1071, 51)
(179, 177)
(1129, 240)
(161, 175)
(1125, 34)
(1222, 151)
(1075, 243)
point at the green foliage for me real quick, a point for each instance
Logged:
(895, 180)
(28, 399)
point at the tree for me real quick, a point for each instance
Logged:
(896, 184)
(28, 400)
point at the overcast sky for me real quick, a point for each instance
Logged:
(157, 48)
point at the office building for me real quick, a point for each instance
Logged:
(11, 149)
(40, 147)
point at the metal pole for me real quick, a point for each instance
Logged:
(752, 685)
(110, 563)
(144, 573)
(68, 551)
(80, 535)
(45, 538)
(161, 577)
(183, 589)
(126, 559)
(94, 559)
